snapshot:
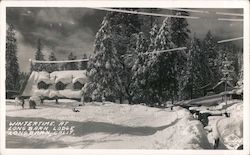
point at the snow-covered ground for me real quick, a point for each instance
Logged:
(110, 126)
(228, 129)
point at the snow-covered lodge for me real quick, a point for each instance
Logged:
(55, 85)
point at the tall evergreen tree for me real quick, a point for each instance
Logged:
(167, 63)
(149, 21)
(139, 70)
(144, 73)
(23, 80)
(180, 37)
(84, 64)
(39, 56)
(71, 65)
(123, 27)
(52, 66)
(103, 67)
(153, 33)
(196, 69)
(233, 53)
(162, 65)
(211, 57)
(179, 27)
(12, 66)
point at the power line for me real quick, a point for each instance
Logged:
(229, 14)
(63, 61)
(168, 50)
(232, 19)
(189, 10)
(145, 13)
(173, 16)
(162, 51)
(228, 40)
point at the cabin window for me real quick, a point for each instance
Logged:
(78, 86)
(60, 86)
(42, 85)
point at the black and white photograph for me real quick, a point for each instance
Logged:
(143, 78)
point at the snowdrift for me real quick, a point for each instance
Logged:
(229, 130)
(114, 126)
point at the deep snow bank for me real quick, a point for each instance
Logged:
(114, 126)
(229, 130)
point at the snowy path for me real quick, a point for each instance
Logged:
(229, 130)
(112, 126)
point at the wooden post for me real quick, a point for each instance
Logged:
(226, 92)
(227, 69)
(56, 100)
(23, 102)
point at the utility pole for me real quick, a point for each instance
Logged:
(227, 69)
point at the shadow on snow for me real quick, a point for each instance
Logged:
(81, 129)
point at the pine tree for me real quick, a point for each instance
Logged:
(232, 52)
(196, 69)
(84, 64)
(103, 67)
(52, 66)
(161, 65)
(71, 65)
(39, 56)
(144, 76)
(123, 27)
(211, 57)
(153, 33)
(139, 70)
(12, 66)
(23, 80)
(151, 71)
(167, 85)
(149, 21)
(180, 37)
(179, 27)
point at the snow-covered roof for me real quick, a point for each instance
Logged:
(68, 77)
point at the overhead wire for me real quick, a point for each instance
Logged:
(189, 10)
(162, 51)
(168, 50)
(146, 13)
(229, 14)
(231, 19)
(158, 15)
(228, 40)
(61, 61)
